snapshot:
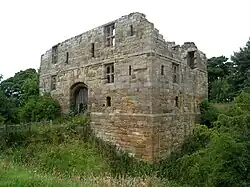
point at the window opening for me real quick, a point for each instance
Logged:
(92, 50)
(108, 101)
(54, 54)
(131, 30)
(110, 35)
(110, 73)
(129, 70)
(175, 72)
(162, 70)
(53, 82)
(67, 58)
(190, 59)
(177, 101)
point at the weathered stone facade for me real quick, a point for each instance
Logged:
(142, 91)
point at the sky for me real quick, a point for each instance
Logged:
(28, 28)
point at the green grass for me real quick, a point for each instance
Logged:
(13, 175)
(68, 158)
(61, 155)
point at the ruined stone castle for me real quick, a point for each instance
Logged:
(142, 92)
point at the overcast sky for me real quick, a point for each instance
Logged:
(30, 27)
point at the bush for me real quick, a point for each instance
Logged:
(215, 156)
(39, 108)
(172, 167)
(209, 113)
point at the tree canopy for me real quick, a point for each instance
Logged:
(227, 79)
(20, 100)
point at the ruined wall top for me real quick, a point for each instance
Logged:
(133, 33)
(135, 16)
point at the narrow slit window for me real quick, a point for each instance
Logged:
(129, 70)
(177, 101)
(67, 58)
(92, 50)
(108, 99)
(131, 30)
(175, 73)
(162, 70)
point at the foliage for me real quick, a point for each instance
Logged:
(7, 108)
(13, 86)
(219, 91)
(209, 113)
(240, 77)
(61, 150)
(29, 88)
(12, 174)
(217, 156)
(214, 156)
(39, 108)
(14, 91)
(218, 71)
(227, 79)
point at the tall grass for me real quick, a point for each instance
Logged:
(55, 154)
(15, 175)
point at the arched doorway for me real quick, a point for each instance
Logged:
(79, 97)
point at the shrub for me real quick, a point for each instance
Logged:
(39, 108)
(209, 113)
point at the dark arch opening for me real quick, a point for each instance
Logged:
(79, 97)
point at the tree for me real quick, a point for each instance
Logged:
(37, 108)
(12, 87)
(217, 156)
(220, 91)
(218, 72)
(209, 114)
(241, 61)
(7, 109)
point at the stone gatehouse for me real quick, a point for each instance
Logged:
(142, 91)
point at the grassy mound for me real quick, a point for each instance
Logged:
(66, 154)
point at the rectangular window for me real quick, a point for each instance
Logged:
(162, 70)
(110, 35)
(110, 73)
(53, 82)
(175, 73)
(190, 59)
(54, 54)
(131, 30)
(92, 50)
(67, 58)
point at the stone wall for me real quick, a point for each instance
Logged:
(144, 117)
